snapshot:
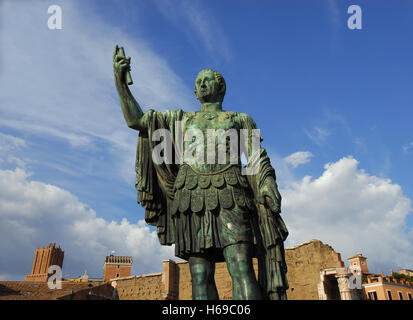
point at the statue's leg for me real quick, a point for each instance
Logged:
(203, 280)
(239, 262)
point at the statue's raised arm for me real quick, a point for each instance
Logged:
(130, 107)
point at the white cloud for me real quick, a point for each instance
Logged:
(298, 158)
(354, 212)
(33, 213)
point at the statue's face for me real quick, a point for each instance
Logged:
(206, 87)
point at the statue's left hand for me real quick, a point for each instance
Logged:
(270, 195)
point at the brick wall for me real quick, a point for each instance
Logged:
(144, 287)
(112, 270)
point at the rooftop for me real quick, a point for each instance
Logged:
(21, 290)
(358, 255)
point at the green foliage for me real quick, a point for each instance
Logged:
(399, 277)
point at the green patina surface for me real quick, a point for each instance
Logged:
(209, 210)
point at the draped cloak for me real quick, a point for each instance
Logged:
(155, 185)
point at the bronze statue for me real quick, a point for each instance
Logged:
(210, 210)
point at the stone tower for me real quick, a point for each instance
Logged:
(360, 262)
(116, 267)
(43, 259)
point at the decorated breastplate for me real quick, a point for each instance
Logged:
(208, 137)
(197, 191)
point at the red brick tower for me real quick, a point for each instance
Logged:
(43, 259)
(116, 267)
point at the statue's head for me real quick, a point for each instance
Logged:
(210, 86)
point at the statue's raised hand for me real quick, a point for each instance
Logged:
(121, 66)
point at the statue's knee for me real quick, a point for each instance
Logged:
(241, 267)
(200, 274)
(239, 261)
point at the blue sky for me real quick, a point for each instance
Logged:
(333, 106)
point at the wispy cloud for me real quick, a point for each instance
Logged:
(331, 121)
(334, 12)
(9, 143)
(407, 147)
(298, 158)
(200, 27)
(318, 135)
